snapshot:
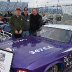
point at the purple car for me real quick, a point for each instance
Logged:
(50, 51)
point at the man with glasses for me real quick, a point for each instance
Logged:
(35, 22)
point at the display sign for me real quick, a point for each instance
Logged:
(5, 60)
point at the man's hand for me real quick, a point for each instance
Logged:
(20, 31)
(16, 32)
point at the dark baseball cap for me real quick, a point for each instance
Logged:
(18, 9)
(25, 9)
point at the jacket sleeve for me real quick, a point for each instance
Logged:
(12, 24)
(40, 22)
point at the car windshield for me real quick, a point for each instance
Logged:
(56, 34)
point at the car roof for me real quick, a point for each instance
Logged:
(60, 26)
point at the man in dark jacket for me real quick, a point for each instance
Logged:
(35, 22)
(17, 24)
(27, 18)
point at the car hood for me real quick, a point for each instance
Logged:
(29, 50)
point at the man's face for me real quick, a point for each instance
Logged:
(34, 12)
(18, 12)
(25, 12)
(0, 19)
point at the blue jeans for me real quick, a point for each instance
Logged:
(25, 33)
